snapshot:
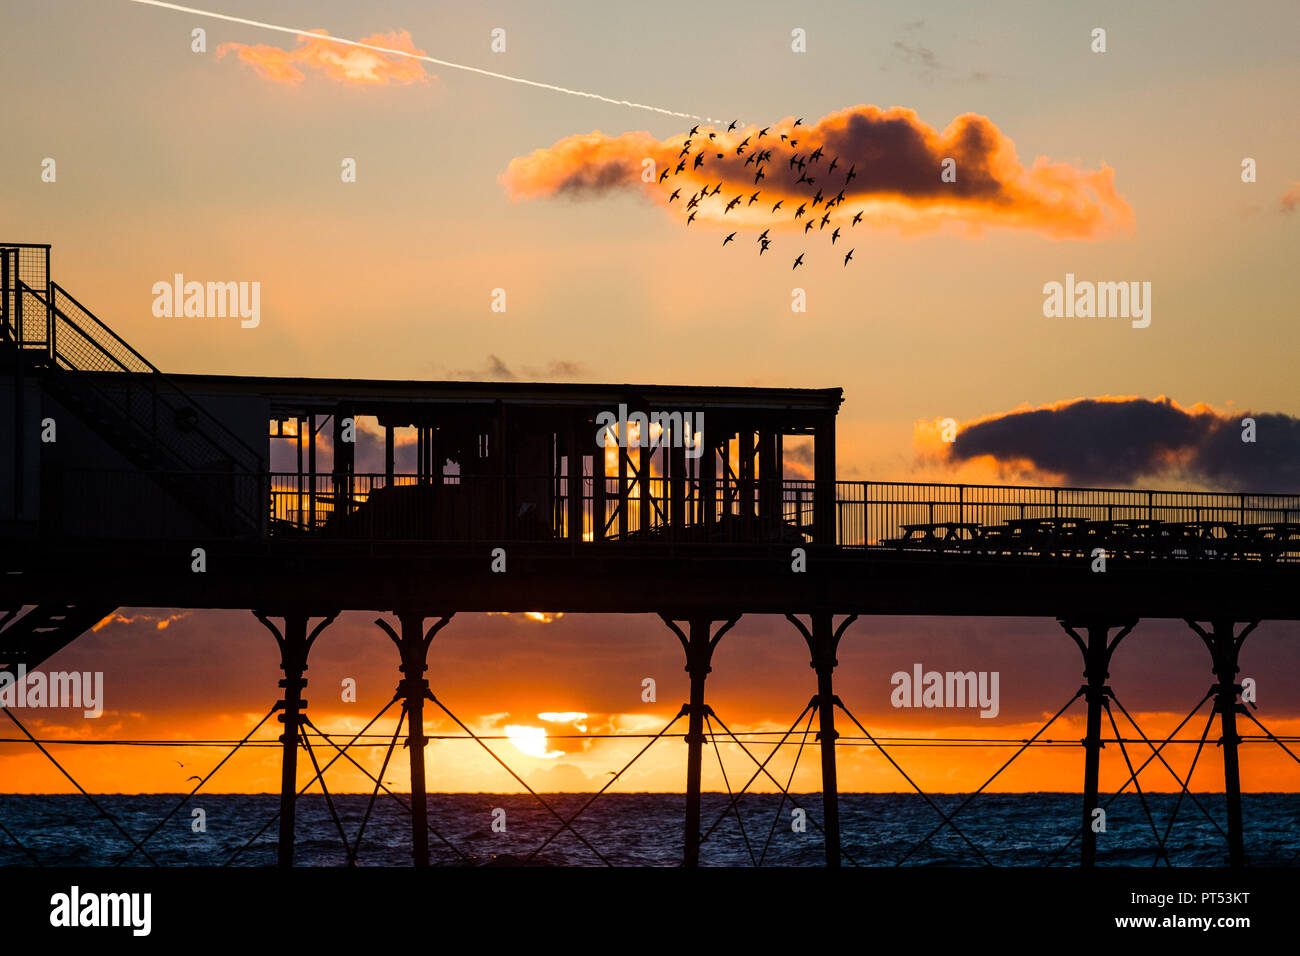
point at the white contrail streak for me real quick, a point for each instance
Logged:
(419, 56)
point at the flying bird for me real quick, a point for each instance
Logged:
(799, 212)
(766, 243)
(779, 202)
(798, 262)
(732, 205)
(796, 123)
(699, 160)
(849, 177)
(857, 219)
(752, 199)
(691, 218)
(694, 130)
(825, 219)
(759, 175)
(763, 236)
(680, 167)
(663, 175)
(729, 238)
(809, 224)
(835, 235)
(763, 132)
(732, 126)
(848, 257)
(816, 154)
(717, 189)
(834, 162)
(676, 193)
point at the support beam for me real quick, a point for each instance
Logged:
(1224, 645)
(413, 649)
(823, 641)
(295, 642)
(699, 655)
(1097, 651)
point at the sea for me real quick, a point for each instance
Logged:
(641, 830)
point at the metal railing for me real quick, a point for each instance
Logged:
(901, 518)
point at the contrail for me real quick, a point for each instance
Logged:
(419, 56)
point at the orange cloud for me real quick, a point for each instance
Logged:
(888, 167)
(341, 62)
(1291, 198)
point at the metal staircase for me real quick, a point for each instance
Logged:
(125, 399)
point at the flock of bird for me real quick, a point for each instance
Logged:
(759, 157)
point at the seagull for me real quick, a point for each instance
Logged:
(798, 262)
(729, 238)
(848, 257)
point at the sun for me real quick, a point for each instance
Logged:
(531, 741)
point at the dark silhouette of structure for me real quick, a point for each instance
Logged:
(166, 491)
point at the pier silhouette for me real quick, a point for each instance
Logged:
(173, 491)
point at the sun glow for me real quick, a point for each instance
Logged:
(531, 741)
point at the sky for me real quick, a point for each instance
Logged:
(1124, 165)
